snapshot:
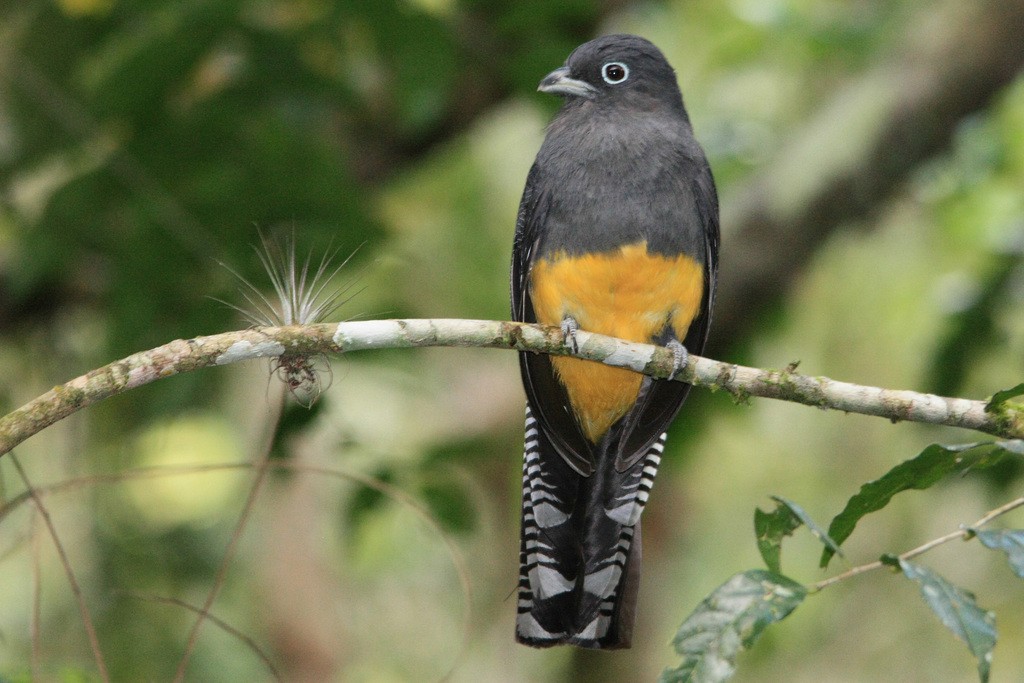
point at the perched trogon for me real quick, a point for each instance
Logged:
(617, 234)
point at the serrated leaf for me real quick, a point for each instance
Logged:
(959, 612)
(728, 621)
(1011, 542)
(1003, 396)
(770, 528)
(930, 466)
(811, 525)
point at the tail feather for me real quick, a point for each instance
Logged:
(580, 546)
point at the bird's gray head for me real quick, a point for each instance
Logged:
(613, 69)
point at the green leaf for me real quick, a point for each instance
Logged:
(930, 466)
(811, 525)
(728, 621)
(1011, 542)
(770, 528)
(1003, 396)
(958, 611)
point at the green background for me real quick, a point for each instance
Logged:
(871, 237)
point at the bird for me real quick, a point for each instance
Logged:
(617, 233)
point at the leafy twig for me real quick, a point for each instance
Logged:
(965, 533)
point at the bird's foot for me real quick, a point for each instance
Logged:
(680, 356)
(569, 329)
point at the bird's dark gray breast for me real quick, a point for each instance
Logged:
(615, 180)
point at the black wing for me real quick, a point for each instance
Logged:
(545, 394)
(660, 400)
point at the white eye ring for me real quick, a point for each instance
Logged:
(614, 73)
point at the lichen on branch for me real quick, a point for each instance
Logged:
(334, 338)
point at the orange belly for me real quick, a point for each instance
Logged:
(627, 293)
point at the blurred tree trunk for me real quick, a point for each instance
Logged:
(853, 156)
(301, 592)
(860, 149)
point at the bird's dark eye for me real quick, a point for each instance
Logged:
(614, 72)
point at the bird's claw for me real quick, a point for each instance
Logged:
(569, 328)
(680, 357)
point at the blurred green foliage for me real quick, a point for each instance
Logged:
(141, 143)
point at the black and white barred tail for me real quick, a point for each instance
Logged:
(580, 546)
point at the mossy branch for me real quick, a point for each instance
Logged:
(329, 338)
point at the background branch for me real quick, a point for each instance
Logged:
(742, 382)
(952, 62)
(964, 532)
